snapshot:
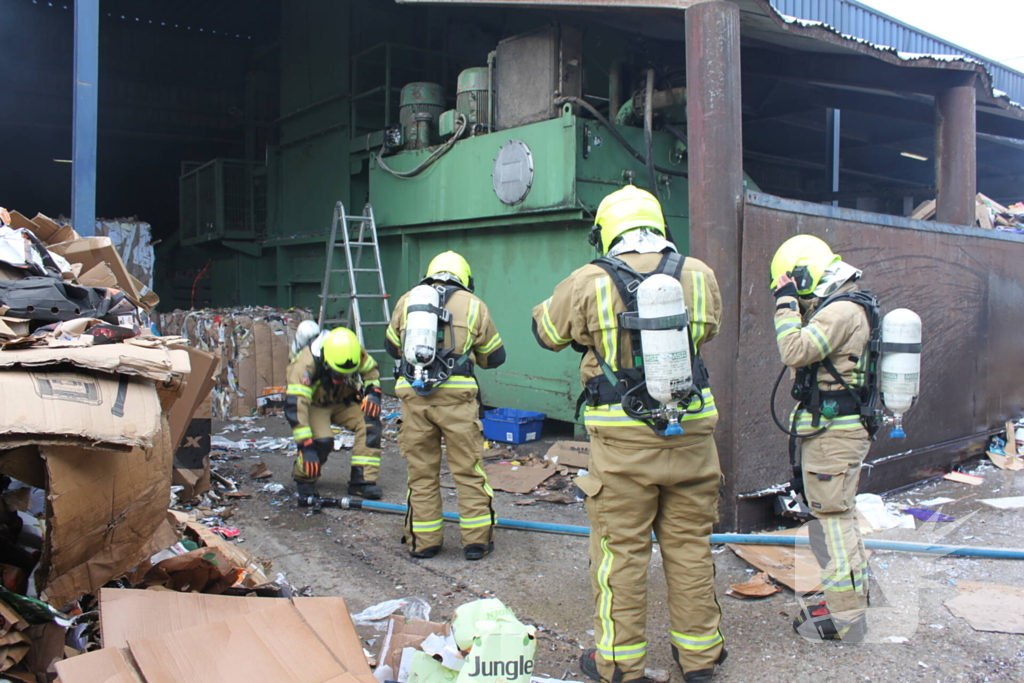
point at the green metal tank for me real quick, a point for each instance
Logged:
(473, 96)
(419, 109)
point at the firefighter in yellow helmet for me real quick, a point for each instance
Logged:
(440, 400)
(822, 325)
(333, 380)
(643, 476)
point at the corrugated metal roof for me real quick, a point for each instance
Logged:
(858, 20)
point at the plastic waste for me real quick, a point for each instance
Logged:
(411, 607)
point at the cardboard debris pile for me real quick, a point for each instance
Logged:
(989, 214)
(485, 641)
(166, 636)
(252, 347)
(132, 239)
(33, 638)
(1004, 449)
(49, 274)
(548, 478)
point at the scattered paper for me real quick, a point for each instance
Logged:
(928, 515)
(260, 471)
(971, 479)
(1006, 461)
(1010, 503)
(936, 501)
(877, 517)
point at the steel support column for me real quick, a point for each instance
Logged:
(83, 129)
(832, 124)
(956, 155)
(715, 132)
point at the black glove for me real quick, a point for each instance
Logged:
(788, 289)
(371, 401)
(309, 459)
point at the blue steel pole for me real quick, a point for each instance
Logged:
(83, 129)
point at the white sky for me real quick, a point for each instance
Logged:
(992, 28)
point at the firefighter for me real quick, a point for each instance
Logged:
(823, 334)
(640, 481)
(334, 381)
(441, 400)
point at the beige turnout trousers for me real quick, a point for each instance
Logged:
(423, 426)
(350, 416)
(831, 471)
(674, 493)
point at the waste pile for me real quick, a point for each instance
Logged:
(989, 214)
(251, 344)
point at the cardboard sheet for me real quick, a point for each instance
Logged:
(101, 666)
(793, 566)
(238, 557)
(196, 389)
(274, 644)
(516, 478)
(151, 362)
(570, 453)
(402, 633)
(108, 513)
(81, 408)
(989, 607)
(92, 251)
(130, 614)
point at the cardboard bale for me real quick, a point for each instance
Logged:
(133, 240)
(191, 425)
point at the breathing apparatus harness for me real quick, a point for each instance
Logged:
(628, 386)
(446, 361)
(849, 400)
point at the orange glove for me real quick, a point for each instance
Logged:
(371, 402)
(309, 459)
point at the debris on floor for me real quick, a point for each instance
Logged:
(1003, 449)
(760, 586)
(989, 607)
(989, 214)
(251, 344)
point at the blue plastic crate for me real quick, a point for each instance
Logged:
(512, 426)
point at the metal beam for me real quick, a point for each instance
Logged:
(832, 140)
(714, 112)
(83, 129)
(956, 161)
(605, 4)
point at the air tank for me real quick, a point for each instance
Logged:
(420, 342)
(900, 366)
(473, 95)
(666, 353)
(307, 331)
(427, 100)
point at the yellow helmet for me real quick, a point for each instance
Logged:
(451, 265)
(805, 258)
(341, 351)
(625, 210)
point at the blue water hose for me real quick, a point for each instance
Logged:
(747, 539)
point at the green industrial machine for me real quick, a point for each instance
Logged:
(518, 204)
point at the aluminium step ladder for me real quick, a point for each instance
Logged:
(357, 237)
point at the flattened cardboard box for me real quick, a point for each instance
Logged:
(81, 407)
(135, 357)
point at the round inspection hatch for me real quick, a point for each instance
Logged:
(513, 172)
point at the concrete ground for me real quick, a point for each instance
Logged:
(543, 579)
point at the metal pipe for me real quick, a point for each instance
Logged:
(744, 539)
(614, 90)
(491, 56)
(649, 132)
(956, 157)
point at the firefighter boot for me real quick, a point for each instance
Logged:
(816, 623)
(357, 486)
(588, 665)
(306, 492)
(701, 675)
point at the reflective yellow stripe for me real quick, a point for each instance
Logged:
(804, 422)
(300, 390)
(819, 339)
(474, 522)
(368, 364)
(699, 312)
(697, 643)
(453, 382)
(604, 599)
(613, 415)
(365, 460)
(606, 321)
(302, 433)
(479, 468)
(620, 652)
(393, 336)
(372, 383)
(433, 525)
(491, 345)
(786, 327)
(474, 311)
(549, 325)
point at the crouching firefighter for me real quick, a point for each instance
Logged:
(828, 334)
(334, 381)
(640, 314)
(439, 332)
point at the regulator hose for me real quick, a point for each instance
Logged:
(775, 416)
(437, 154)
(747, 539)
(617, 135)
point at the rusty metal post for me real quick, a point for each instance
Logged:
(956, 155)
(715, 132)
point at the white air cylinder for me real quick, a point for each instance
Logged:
(900, 370)
(421, 327)
(306, 332)
(666, 353)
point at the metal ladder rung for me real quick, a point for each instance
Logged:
(376, 351)
(357, 218)
(374, 323)
(361, 244)
(354, 270)
(356, 296)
